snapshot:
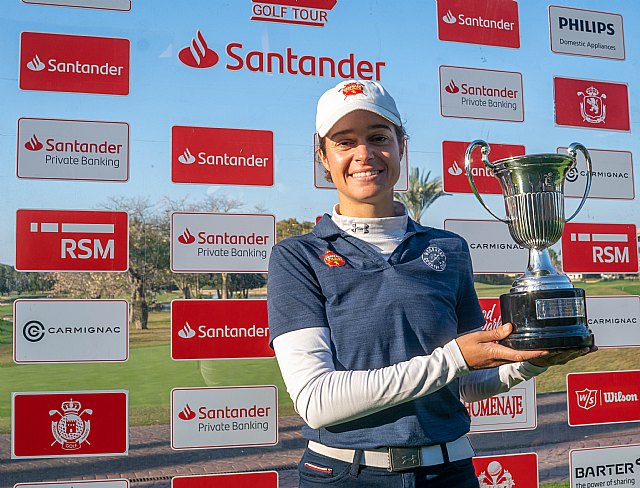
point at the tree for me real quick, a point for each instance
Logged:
(291, 227)
(148, 253)
(421, 193)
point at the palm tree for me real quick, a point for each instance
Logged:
(421, 193)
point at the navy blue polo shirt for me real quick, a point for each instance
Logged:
(380, 312)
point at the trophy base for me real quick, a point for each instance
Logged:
(546, 319)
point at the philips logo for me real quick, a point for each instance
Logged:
(590, 26)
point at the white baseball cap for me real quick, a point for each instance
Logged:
(350, 95)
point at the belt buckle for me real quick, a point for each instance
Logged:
(404, 458)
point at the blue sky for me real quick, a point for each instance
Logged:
(402, 34)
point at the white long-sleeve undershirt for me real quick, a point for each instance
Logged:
(323, 396)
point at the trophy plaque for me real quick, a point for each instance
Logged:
(546, 311)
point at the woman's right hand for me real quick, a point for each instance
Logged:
(481, 351)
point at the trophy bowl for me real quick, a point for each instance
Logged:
(543, 306)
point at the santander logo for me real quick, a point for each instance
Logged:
(449, 18)
(452, 87)
(186, 413)
(186, 237)
(186, 332)
(186, 157)
(35, 64)
(33, 144)
(454, 169)
(198, 54)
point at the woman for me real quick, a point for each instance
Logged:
(371, 318)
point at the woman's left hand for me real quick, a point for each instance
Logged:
(562, 356)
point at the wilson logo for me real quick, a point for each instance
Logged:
(198, 54)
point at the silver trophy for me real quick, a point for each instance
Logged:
(546, 311)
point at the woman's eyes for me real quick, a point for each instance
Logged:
(377, 139)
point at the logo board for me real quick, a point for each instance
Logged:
(507, 471)
(69, 424)
(491, 22)
(586, 32)
(491, 312)
(263, 479)
(236, 416)
(221, 156)
(219, 329)
(611, 177)
(605, 466)
(455, 177)
(491, 246)
(73, 150)
(481, 94)
(615, 320)
(591, 104)
(599, 248)
(69, 331)
(219, 243)
(69, 63)
(77, 484)
(513, 410)
(604, 397)
(71, 240)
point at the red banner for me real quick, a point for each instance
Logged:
(490, 22)
(599, 248)
(519, 470)
(219, 329)
(455, 176)
(71, 240)
(592, 104)
(221, 156)
(65, 63)
(605, 397)
(266, 479)
(65, 424)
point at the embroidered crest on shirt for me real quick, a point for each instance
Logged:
(435, 258)
(355, 228)
(331, 259)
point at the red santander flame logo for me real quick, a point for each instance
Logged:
(198, 54)
(33, 144)
(186, 237)
(186, 157)
(452, 87)
(187, 413)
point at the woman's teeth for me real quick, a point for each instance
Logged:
(366, 173)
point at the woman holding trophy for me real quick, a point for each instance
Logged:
(375, 321)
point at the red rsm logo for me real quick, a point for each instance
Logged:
(599, 248)
(71, 240)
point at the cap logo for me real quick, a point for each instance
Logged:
(331, 259)
(352, 88)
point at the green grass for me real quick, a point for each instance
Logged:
(556, 485)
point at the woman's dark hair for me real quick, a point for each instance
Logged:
(321, 142)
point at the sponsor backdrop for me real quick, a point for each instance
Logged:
(156, 151)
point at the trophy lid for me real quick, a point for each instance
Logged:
(526, 160)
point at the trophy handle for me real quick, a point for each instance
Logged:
(573, 148)
(484, 146)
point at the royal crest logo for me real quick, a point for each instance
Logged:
(495, 476)
(587, 398)
(352, 88)
(331, 259)
(592, 106)
(435, 258)
(71, 429)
